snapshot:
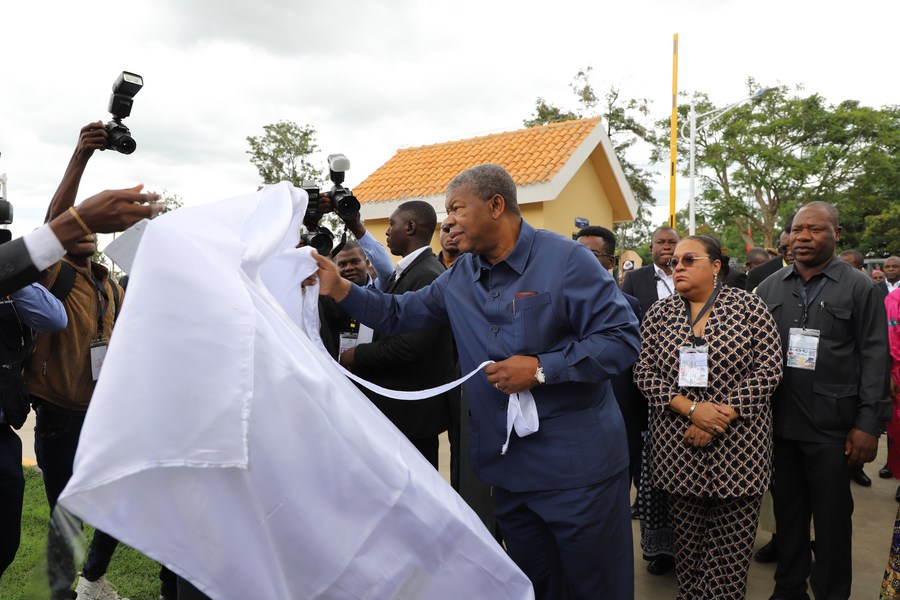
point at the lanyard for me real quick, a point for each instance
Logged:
(102, 302)
(693, 320)
(808, 300)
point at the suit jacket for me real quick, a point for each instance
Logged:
(882, 287)
(631, 402)
(642, 285)
(16, 268)
(757, 275)
(411, 361)
(736, 278)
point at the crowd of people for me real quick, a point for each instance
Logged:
(721, 394)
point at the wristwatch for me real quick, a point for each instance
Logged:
(539, 374)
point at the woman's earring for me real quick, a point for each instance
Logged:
(715, 279)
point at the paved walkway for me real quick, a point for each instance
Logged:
(873, 522)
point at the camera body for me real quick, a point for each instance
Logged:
(343, 201)
(120, 102)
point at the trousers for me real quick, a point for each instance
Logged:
(12, 492)
(573, 544)
(713, 544)
(56, 435)
(813, 483)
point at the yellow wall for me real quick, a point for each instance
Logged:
(582, 197)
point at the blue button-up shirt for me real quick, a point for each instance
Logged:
(548, 298)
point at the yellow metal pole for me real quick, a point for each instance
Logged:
(674, 140)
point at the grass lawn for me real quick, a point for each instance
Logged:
(134, 575)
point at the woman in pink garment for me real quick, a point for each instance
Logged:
(890, 586)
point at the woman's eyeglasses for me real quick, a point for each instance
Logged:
(687, 260)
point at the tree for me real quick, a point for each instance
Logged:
(630, 131)
(765, 159)
(282, 152)
(870, 208)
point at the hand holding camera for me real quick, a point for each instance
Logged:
(339, 200)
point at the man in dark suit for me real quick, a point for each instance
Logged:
(654, 282)
(649, 284)
(758, 274)
(416, 360)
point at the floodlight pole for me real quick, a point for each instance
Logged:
(713, 115)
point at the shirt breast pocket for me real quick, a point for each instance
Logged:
(535, 328)
(835, 322)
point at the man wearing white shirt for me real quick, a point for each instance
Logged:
(892, 273)
(654, 282)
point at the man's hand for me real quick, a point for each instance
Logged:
(860, 447)
(330, 281)
(117, 210)
(513, 375)
(697, 437)
(93, 136)
(347, 358)
(326, 205)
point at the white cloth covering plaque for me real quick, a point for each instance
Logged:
(223, 444)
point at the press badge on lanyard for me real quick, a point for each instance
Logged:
(803, 343)
(693, 366)
(803, 346)
(98, 353)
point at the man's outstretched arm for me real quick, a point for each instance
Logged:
(92, 137)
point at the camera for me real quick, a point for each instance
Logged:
(342, 199)
(345, 203)
(120, 101)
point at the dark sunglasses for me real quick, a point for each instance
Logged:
(687, 260)
(600, 255)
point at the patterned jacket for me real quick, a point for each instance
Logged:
(745, 367)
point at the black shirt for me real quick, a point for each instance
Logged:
(849, 386)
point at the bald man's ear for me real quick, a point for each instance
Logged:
(410, 228)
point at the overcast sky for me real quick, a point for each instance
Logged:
(372, 77)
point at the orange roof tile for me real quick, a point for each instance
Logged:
(530, 155)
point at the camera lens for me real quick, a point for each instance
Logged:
(118, 138)
(122, 142)
(347, 207)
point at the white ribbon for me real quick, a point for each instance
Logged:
(521, 411)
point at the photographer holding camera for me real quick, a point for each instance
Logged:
(64, 368)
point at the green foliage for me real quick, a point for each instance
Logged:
(282, 153)
(134, 575)
(630, 130)
(761, 161)
(545, 113)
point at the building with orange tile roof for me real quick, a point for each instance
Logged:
(563, 171)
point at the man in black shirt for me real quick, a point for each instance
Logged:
(830, 406)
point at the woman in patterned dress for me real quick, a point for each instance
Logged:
(710, 361)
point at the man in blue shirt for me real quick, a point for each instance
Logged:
(32, 307)
(557, 326)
